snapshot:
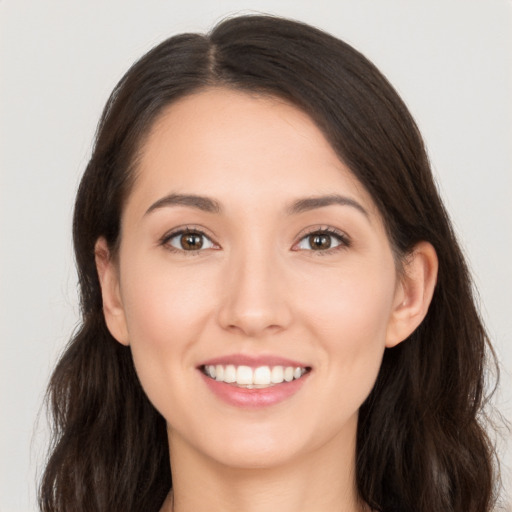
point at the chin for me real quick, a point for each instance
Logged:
(244, 454)
(246, 445)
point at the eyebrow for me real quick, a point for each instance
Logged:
(203, 203)
(210, 205)
(312, 203)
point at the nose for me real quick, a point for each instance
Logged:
(254, 299)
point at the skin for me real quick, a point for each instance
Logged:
(256, 287)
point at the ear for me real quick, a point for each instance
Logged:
(414, 293)
(108, 274)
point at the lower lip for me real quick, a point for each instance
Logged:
(254, 398)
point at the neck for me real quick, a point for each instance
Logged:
(323, 480)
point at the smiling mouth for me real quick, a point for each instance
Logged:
(254, 378)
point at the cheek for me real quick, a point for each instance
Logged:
(166, 311)
(164, 304)
(353, 301)
(349, 312)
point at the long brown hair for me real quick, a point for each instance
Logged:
(421, 444)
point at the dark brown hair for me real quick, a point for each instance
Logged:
(421, 445)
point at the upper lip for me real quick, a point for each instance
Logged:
(253, 361)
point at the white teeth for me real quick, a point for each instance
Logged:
(277, 375)
(230, 374)
(244, 375)
(260, 377)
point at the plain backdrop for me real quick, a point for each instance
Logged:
(451, 60)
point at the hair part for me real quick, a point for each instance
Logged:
(421, 444)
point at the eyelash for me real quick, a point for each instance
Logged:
(165, 240)
(343, 240)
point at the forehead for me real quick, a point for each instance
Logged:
(240, 147)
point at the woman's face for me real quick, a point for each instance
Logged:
(248, 248)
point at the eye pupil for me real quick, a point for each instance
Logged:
(191, 241)
(319, 241)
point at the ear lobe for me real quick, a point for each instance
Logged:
(414, 293)
(108, 275)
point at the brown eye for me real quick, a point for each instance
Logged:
(319, 241)
(189, 241)
(323, 240)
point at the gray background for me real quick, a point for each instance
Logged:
(451, 60)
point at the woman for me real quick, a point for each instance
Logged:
(276, 313)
